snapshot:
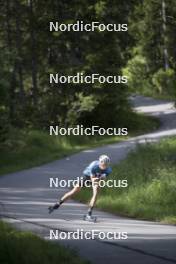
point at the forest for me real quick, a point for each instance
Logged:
(30, 52)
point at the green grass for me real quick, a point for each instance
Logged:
(27, 148)
(156, 95)
(18, 247)
(151, 191)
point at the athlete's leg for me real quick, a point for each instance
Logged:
(75, 189)
(64, 198)
(95, 187)
(70, 193)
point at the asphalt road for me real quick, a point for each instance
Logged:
(25, 197)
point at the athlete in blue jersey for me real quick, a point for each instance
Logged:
(97, 170)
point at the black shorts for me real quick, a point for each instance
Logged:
(84, 181)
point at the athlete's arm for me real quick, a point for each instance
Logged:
(103, 176)
(93, 176)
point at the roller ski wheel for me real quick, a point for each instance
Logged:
(89, 218)
(52, 208)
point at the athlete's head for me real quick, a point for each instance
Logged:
(104, 161)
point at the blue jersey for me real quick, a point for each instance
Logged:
(94, 170)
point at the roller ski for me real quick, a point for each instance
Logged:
(52, 208)
(90, 218)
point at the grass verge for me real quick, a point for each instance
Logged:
(151, 192)
(24, 247)
(27, 148)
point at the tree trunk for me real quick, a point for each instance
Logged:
(33, 53)
(13, 75)
(19, 50)
(165, 50)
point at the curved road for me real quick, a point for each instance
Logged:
(26, 195)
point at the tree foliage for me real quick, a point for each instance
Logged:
(153, 29)
(31, 53)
